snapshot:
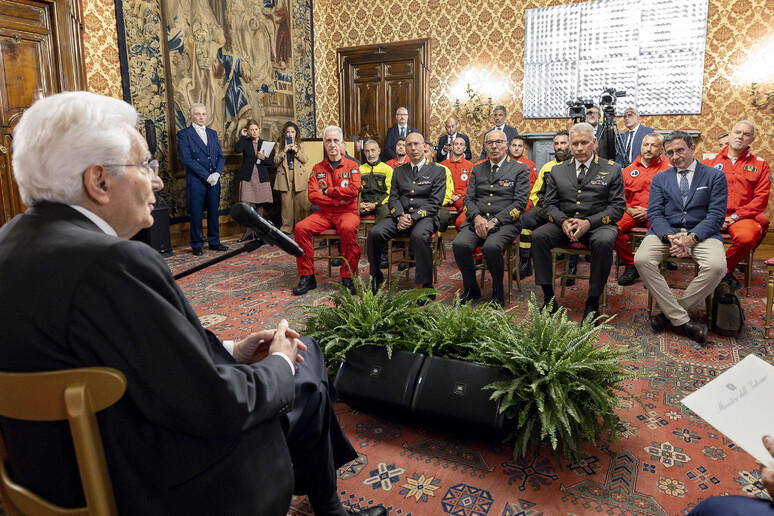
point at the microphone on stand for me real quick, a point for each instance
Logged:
(246, 216)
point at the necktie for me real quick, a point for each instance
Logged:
(415, 171)
(202, 131)
(493, 174)
(403, 131)
(684, 185)
(629, 146)
(581, 173)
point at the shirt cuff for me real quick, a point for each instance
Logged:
(229, 345)
(287, 359)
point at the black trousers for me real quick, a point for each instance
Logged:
(420, 235)
(315, 439)
(492, 247)
(599, 240)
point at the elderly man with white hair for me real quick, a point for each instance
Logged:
(204, 427)
(584, 200)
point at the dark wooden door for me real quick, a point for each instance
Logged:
(40, 54)
(376, 80)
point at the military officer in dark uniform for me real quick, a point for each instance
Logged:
(416, 194)
(494, 201)
(584, 200)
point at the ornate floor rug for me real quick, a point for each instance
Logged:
(665, 461)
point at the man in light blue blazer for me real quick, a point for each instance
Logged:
(686, 208)
(203, 158)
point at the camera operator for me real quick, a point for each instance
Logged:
(603, 132)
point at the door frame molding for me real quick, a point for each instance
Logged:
(416, 49)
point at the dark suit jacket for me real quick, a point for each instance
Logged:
(642, 131)
(705, 209)
(599, 199)
(421, 197)
(200, 160)
(509, 131)
(439, 157)
(195, 433)
(245, 146)
(503, 196)
(388, 151)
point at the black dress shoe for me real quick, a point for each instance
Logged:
(628, 277)
(347, 282)
(572, 269)
(695, 331)
(734, 283)
(371, 511)
(305, 284)
(429, 297)
(553, 309)
(383, 264)
(219, 247)
(198, 251)
(402, 266)
(659, 322)
(376, 281)
(470, 294)
(336, 262)
(249, 235)
(498, 298)
(591, 309)
(525, 268)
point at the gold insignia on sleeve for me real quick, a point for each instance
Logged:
(422, 213)
(610, 162)
(514, 213)
(392, 211)
(605, 220)
(550, 218)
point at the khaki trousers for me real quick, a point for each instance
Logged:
(710, 256)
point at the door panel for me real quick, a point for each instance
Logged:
(36, 36)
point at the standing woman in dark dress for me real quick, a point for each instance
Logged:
(254, 186)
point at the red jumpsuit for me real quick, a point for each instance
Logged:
(328, 188)
(394, 162)
(748, 195)
(461, 176)
(637, 189)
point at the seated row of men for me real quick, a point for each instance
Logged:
(580, 199)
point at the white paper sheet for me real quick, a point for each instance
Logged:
(739, 404)
(266, 148)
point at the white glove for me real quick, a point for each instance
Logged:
(213, 179)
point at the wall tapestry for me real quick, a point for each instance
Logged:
(243, 59)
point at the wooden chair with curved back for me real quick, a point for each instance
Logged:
(73, 395)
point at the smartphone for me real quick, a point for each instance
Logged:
(289, 140)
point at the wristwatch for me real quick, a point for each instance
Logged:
(734, 217)
(495, 220)
(696, 238)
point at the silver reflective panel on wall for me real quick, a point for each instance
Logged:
(652, 49)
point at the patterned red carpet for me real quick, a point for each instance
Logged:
(665, 461)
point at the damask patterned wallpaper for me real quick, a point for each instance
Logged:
(471, 34)
(100, 42)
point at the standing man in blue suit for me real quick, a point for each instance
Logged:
(445, 142)
(498, 115)
(203, 158)
(631, 140)
(686, 209)
(400, 130)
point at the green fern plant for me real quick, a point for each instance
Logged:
(564, 387)
(389, 318)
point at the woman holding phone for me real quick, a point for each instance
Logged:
(292, 178)
(254, 187)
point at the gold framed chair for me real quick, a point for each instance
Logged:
(73, 395)
(435, 245)
(577, 249)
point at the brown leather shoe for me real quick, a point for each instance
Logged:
(695, 331)
(659, 322)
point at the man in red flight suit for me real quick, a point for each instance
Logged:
(333, 186)
(400, 153)
(637, 178)
(460, 169)
(748, 194)
(516, 150)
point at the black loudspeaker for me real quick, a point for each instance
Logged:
(370, 381)
(450, 392)
(157, 236)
